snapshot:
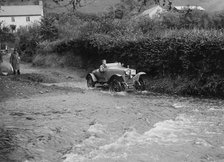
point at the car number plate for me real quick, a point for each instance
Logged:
(133, 72)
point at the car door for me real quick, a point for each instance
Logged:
(101, 76)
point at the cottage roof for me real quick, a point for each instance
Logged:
(25, 10)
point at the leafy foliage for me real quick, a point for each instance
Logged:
(48, 30)
(75, 4)
(2, 2)
(6, 35)
(27, 41)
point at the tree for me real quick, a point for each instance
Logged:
(6, 35)
(48, 30)
(127, 8)
(2, 2)
(74, 3)
(13, 28)
(146, 2)
(27, 40)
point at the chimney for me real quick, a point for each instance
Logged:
(41, 7)
(40, 3)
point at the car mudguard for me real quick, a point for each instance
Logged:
(92, 76)
(137, 76)
(116, 76)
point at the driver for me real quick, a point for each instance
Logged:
(103, 66)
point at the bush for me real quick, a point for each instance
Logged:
(48, 29)
(5, 34)
(27, 41)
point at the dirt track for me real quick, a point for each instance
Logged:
(54, 117)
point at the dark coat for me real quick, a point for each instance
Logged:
(15, 60)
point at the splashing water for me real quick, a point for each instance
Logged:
(115, 93)
(67, 85)
(153, 144)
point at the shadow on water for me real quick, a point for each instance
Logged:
(7, 144)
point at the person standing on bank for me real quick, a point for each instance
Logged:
(15, 61)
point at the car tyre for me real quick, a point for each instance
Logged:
(115, 86)
(90, 82)
(140, 85)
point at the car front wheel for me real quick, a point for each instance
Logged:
(90, 82)
(115, 86)
(139, 85)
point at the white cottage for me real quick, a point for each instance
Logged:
(183, 8)
(21, 15)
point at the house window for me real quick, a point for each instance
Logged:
(27, 18)
(13, 19)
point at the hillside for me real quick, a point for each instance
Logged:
(96, 6)
(99, 5)
(91, 6)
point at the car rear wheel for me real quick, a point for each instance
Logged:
(116, 86)
(139, 85)
(90, 82)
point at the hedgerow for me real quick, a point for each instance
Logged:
(194, 54)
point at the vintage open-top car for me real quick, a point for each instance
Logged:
(118, 77)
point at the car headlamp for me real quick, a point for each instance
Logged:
(127, 72)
